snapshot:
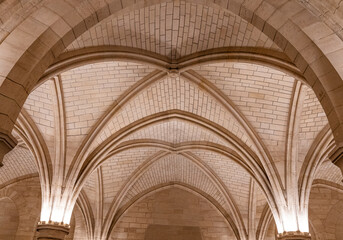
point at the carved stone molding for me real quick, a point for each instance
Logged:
(52, 231)
(297, 235)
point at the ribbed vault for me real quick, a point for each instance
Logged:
(239, 101)
(179, 169)
(108, 109)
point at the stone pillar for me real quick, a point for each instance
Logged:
(52, 231)
(294, 236)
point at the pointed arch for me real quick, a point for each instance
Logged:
(87, 213)
(254, 55)
(317, 153)
(234, 214)
(160, 187)
(32, 137)
(264, 223)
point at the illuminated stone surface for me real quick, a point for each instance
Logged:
(235, 105)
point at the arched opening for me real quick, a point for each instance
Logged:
(172, 213)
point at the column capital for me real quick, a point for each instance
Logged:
(52, 231)
(296, 235)
(7, 143)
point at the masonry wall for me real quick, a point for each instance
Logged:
(326, 214)
(20, 211)
(9, 219)
(21, 202)
(182, 214)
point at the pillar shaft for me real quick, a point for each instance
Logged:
(52, 231)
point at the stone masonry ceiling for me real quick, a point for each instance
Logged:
(210, 119)
(174, 29)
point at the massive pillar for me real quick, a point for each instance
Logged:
(297, 235)
(52, 231)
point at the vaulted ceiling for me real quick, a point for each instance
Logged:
(186, 140)
(171, 93)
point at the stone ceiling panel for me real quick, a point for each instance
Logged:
(330, 172)
(168, 94)
(17, 163)
(261, 93)
(40, 107)
(312, 121)
(116, 171)
(90, 90)
(177, 131)
(236, 179)
(174, 29)
(174, 168)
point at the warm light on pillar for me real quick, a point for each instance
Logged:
(45, 215)
(56, 212)
(303, 222)
(289, 222)
(294, 225)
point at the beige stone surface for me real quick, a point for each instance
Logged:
(9, 219)
(174, 29)
(240, 102)
(325, 213)
(174, 208)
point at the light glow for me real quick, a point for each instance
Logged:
(292, 221)
(289, 221)
(303, 222)
(57, 215)
(45, 212)
(56, 212)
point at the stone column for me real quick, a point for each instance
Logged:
(294, 236)
(52, 231)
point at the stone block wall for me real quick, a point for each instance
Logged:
(190, 215)
(9, 219)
